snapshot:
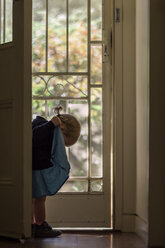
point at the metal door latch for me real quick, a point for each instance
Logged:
(117, 15)
(105, 50)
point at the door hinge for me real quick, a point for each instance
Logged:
(117, 15)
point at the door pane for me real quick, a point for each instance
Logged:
(78, 36)
(96, 19)
(6, 21)
(67, 86)
(1, 22)
(96, 64)
(57, 35)
(96, 185)
(75, 186)
(78, 154)
(68, 81)
(9, 20)
(96, 132)
(39, 36)
(38, 86)
(38, 108)
(60, 86)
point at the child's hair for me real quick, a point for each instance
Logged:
(72, 125)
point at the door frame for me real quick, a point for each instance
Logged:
(117, 117)
(124, 115)
(117, 89)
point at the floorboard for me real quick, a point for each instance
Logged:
(79, 240)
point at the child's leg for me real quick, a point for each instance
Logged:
(41, 228)
(33, 217)
(38, 210)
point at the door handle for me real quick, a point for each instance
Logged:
(105, 53)
(105, 50)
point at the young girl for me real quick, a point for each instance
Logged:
(50, 164)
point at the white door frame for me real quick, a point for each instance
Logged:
(117, 117)
(124, 115)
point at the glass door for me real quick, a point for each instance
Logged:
(71, 67)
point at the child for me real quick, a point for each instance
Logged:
(45, 134)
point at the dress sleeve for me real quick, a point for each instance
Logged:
(43, 131)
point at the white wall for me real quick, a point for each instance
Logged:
(142, 115)
(150, 105)
(140, 181)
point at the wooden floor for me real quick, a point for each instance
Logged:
(79, 240)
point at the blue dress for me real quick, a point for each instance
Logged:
(48, 181)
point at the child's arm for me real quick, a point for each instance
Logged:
(56, 121)
(43, 131)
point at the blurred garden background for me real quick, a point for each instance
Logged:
(67, 70)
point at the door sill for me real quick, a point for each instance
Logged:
(86, 229)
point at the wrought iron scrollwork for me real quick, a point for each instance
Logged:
(59, 86)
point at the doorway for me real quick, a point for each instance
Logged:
(71, 64)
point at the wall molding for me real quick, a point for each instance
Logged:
(6, 103)
(128, 223)
(141, 228)
(124, 118)
(6, 182)
(156, 246)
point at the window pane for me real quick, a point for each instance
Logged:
(70, 54)
(96, 64)
(9, 20)
(78, 154)
(75, 186)
(38, 86)
(1, 22)
(57, 35)
(96, 132)
(77, 35)
(6, 21)
(68, 86)
(38, 108)
(60, 86)
(48, 106)
(96, 19)
(96, 186)
(39, 36)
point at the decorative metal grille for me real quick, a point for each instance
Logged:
(67, 70)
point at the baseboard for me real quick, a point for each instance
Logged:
(141, 228)
(156, 246)
(128, 223)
